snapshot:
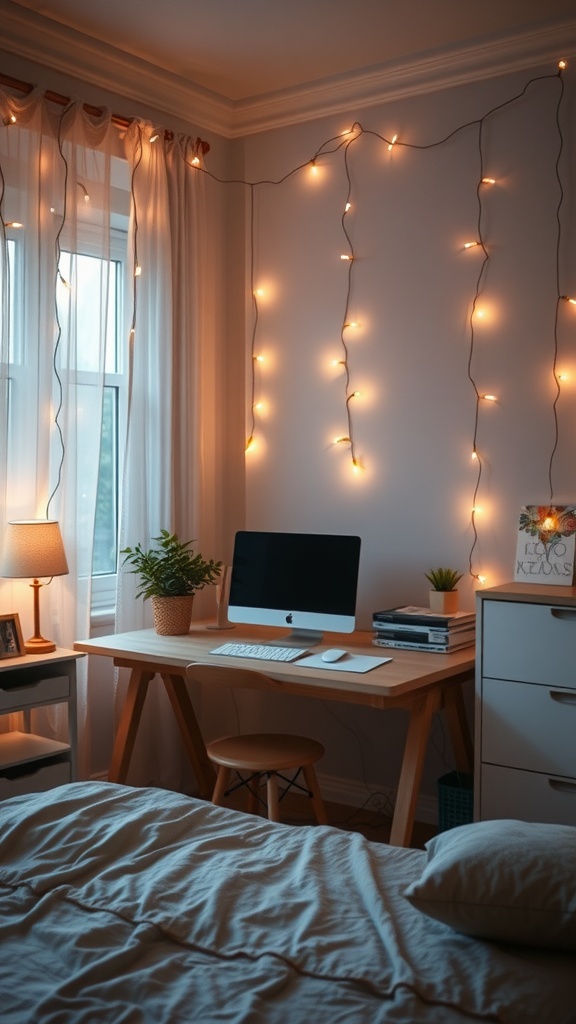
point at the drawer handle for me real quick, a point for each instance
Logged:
(563, 613)
(562, 697)
(562, 787)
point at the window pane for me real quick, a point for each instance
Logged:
(105, 533)
(95, 283)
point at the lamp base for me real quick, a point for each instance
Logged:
(38, 645)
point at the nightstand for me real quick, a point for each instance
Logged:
(29, 761)
(526, 704)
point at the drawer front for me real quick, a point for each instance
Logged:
(33, 691)
(37, 780)
(528, 796)
(528, 726)
(531, 642)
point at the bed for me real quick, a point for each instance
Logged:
(132, 905)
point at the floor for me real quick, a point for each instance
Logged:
(372, 824)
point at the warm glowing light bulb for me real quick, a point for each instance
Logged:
(250, 444)
(489, 398)
(549, 523)
(488, 181)
(392, 143)
(195, 160)
(562, 65)
(137, 271)
(14, 224)
(481, 579)
(344, 256)
(347, 207)
(259, 293)
(471, 245)
(474, 454)
(568, 299)
(313, 167)
(338, 362)
(259, 359)
(563, 376)
(341, 440)
(476, 509)
(153, 138)
(351, 323)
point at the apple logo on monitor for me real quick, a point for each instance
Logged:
(289, 618)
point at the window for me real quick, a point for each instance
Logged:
(92, 290)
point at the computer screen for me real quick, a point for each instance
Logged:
(307, 581)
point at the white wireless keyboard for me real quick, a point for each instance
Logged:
(260, 651)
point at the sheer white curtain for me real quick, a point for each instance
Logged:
(56, 170)
(163, 480)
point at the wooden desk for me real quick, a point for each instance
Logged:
(419, 683)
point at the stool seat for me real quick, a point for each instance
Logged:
(267, 754)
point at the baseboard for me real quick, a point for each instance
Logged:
(353, 793)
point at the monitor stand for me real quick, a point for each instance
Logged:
(299, 638)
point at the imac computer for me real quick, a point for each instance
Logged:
(307, 581)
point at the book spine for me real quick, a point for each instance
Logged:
(430, 638)
(403, 645)
(434, 621)
(404, 631)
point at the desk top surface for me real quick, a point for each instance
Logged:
(406, 672)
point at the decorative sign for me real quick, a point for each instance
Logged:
(546, 544)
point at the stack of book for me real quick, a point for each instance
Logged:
(419, 629)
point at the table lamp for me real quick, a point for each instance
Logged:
(33, 548)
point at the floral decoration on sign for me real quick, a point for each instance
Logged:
(549, 523)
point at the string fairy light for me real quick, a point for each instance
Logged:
(342, 143)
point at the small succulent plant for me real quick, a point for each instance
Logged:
(443, 579)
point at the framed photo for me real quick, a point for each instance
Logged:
(11, 642)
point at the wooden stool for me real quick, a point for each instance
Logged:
(267, 755)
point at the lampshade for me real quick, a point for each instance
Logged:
(33, 548)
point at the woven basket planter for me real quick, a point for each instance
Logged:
(172, 615)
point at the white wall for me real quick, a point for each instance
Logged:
(412, 291)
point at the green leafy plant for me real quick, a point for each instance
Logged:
(443, 579)
(171, 569)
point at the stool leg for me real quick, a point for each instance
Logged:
(316, 798)
(222, 780)
(272, 793)
(252, 795)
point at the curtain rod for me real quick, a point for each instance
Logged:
(118, 120)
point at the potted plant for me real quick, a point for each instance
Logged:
(170, 574)
(443, 596)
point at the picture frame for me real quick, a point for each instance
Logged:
(11, 640)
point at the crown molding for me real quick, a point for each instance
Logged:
(39, 39)
(395, 81)
(36, 38)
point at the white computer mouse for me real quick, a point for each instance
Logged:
(334, 654)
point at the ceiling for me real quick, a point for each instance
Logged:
(247, 48)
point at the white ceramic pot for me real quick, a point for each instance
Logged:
(444, 602)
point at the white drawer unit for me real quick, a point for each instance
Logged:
(525, 722)
(31, 759)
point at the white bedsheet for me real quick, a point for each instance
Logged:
(124, 905)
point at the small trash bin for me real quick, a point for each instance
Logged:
(455, 800)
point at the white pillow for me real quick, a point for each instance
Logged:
(510, 881)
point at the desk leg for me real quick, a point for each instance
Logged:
(412, 764)
(193, 740)
(458, 728)
(128, 725)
